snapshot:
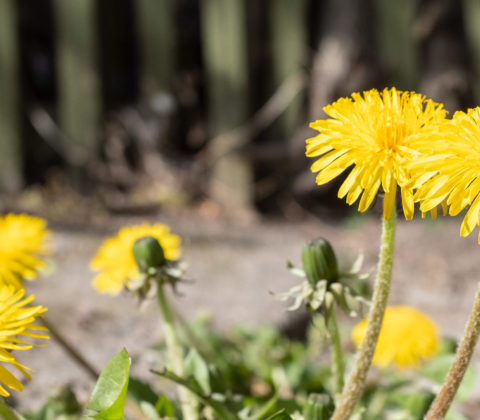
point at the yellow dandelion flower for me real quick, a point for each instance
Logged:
(452, 173)
(406, 339)
(23, 245)
(115, 257)
(17, 319)
(373, 133)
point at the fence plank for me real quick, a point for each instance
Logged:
(10, 133)
(79, 97)
(471, 16)
(397, 47)
(225, 58)
(289, 40)
(156, 32)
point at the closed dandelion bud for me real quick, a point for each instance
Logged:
(148, 253)
(319, 262)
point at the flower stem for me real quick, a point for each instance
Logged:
(356, 381)
(6, 412)
(174, 357)
(338, 365)
(69, 348)
(442, 402)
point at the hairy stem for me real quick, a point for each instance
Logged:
(338, 364)
(69, 348)
(444, 399)
(188, 401)
(356, 381)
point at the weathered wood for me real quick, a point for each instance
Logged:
(225, 60)
(10, 133)
(471, 16)
(396, 42)
(79, 97)
(446, 76)
(340, 64)
(288, 31)
(156, 36)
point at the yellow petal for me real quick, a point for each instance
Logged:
(407, 203)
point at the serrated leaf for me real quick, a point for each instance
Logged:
(109, 394)
(196, 366)
(223, 412)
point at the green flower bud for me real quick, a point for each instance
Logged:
(148, 253)
(319, 262)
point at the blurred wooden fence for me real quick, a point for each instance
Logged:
(234, 55)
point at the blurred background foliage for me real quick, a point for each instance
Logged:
(136, 105)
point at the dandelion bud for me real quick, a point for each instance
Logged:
(319, 262)
(148, 253)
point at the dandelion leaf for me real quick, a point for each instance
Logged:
(108, 397)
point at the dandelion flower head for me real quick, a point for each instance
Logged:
(452, 173)
(407, 338)
(17, 327)
(373, 133)
(115, 259)
(23, 247)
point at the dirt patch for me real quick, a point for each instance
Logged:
(235, 268)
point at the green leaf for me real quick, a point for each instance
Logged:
(265, 409)
(149, 411)
(416, 404)
(61, 404)
(109, 394)
(280, 415)
(196, 366)
(437, 370)
(222, 411)
(164, 407)
(141, 391)
(318, 407)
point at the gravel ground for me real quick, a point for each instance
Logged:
(235, 267)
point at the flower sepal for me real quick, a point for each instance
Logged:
(153, 267)
(324, 285)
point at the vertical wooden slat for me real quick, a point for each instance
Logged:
(156, 32)
(79, 97)
(471, 16)
(225, 59)
(397, 46)
(289, 40)
(10, 133)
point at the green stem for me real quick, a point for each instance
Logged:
(6, 412)
(338, 366)
(442, 402)
(188, 401)
(356, 382)
(69, 348)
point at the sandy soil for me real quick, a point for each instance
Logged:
(235, 267)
